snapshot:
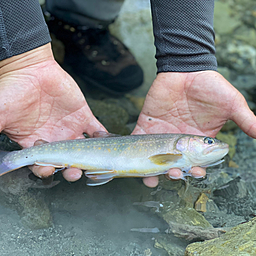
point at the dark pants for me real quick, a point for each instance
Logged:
(85, 12)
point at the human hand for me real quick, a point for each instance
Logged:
(39, 100)
(193, 103)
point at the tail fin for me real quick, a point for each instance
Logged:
(4, 168)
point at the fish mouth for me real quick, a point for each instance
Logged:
(221, 150)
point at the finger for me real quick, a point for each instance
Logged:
(72, 174)
(150, 181)
(244, 117)
(42, 171)
(198, 172)
(175, 174)
(40, 142)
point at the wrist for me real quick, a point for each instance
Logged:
(35, 56)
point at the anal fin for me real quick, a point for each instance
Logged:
(99, 177)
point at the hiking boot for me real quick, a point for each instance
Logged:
(97, 57)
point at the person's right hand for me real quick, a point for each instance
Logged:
(39, 100)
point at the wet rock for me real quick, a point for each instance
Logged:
(173, 249)
(8, 145)
(194, 233)
(237, 55)
(128, 105)
(34, 211)
(185, 215)
(247, 35)
(137, 101)
(229, 126)
(231, 140)
(225, 72)
(112, 116)
(223, 15)
(31, 207)
(245, 82)
(234, 197)
(239, 241)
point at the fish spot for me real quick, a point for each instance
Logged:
(99, 148)
(79, 149)
(114, 148)
(109, 150)
(73, 147)
(88, 146)
(134, 146)
(128, 148)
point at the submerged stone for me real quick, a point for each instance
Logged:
(240, 240)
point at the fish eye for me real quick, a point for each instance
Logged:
(208, 140)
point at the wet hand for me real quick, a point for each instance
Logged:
(39, 100)
(193, 103)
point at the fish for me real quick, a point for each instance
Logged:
(107, 157)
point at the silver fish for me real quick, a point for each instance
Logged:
(106, 158)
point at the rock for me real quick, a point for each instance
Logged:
(247, 35)
(237, 55)
(222, 15)
(128, 105)
(234, 197)
(165, 242)
(225, 72)
(231, 140)
(8, 145)
(229, 126)
(137, 101)
(185, 215)
(112, 116)
(34, 211)
(194, 233)
(31, 207)
(245, 82)
(239, 240)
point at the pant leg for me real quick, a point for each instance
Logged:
(85, 12)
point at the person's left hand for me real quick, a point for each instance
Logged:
(192, 103)
(40, 101)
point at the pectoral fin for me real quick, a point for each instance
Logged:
(49, 164)
(99, 177)
(163, 159)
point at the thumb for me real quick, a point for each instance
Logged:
(244, 117)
